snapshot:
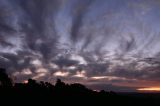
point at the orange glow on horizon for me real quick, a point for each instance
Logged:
(154, 89)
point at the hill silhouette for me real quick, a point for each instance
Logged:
(45, 93)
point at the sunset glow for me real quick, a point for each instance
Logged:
(99, 43)
(156, 89)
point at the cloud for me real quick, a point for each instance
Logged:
(39, 75)
(61, 74)
(78, 15)
(115, 41)
(108, 78)
(26, 72)
(80, 74)
(62, 61)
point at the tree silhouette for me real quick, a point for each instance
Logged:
(59, 83)
(45, 92)
(5, 81)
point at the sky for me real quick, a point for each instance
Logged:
(103, 44)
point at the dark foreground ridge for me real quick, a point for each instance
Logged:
(46, 94)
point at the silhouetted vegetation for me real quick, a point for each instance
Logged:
(67, 94)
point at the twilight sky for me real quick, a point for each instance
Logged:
(104, 44)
